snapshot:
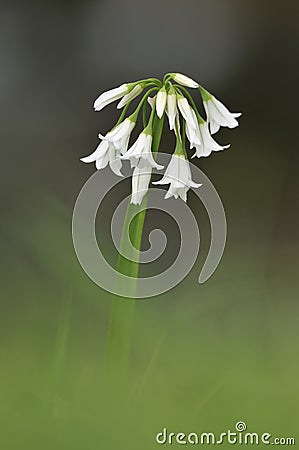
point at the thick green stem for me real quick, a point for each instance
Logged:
(122, 312)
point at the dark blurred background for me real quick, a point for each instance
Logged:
(203, 356)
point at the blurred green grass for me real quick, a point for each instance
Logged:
(203, 357)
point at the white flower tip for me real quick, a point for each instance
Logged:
(195, 185)
(135, 201)
(86, 159)
(237, 115)
(118, 173)
(99, 164)
(168, 195)
(159, 113)
(158, 167)
(97, 106)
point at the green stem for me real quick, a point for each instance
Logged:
(123, 113)
(134, 115)
(122, 312)
(167, 77)
(184, 134)
(150, 81)
(144, 114)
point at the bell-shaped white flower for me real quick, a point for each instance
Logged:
(217, 114)
(120, 135)
(140, 154)
(171, 109)
(186, 111)
(206, 143)
(200, 138)
(161, 102)
(110, 96)
(184, 80)
(105, 153)
(178, 176)
(130, 96)
(140, 182)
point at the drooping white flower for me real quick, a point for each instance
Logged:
(217, 114)
(110, 96)
(206, 143)
(120, 135)
(178, 175)
(130, 96)
(105, 153)
(184, 80)
(200, 138)
(161, 102)
(140, 154)
(140, 182)
(171, 108)
(186, 111)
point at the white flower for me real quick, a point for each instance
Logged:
(178, 175)
(110, 96)
(161, 102)
(151, 101)
(200, 138)
(130, 96)
(120, 135)
(186, 111)
(140, 182)
(171, 109)
(183, 80)
(206, 143)
(105, 153)
(219, 116)
(140, 154)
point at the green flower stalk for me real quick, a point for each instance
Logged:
(168, 97)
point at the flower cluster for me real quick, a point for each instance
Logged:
(169, 97)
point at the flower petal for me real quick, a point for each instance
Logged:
(186, 112)
(161, 102)
(140, 182)
(130, 96)
(98, 153)
(110, 96)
